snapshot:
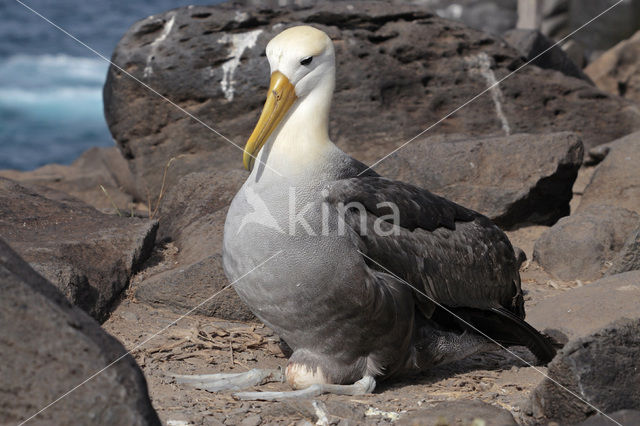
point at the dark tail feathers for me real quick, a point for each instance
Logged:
(509, 330)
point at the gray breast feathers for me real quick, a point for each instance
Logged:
(456, 256)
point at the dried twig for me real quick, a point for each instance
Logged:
(152, 212)
(162, 187)
(110, 199)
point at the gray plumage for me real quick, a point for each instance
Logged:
(355, 302)
(338, 309)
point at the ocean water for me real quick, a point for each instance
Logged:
(51, 86)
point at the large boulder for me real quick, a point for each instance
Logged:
(400, 69)
(616, 181)
(599, 363)
(95, 169)
(192, 217)
(603, 369)
(88, 255)
(510, 179)
(583, 245)
(57, 363)
(617, 71)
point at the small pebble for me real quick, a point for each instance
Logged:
(252, 420)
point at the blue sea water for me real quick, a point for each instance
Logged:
(51, 86)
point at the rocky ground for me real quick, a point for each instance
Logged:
(126, 242)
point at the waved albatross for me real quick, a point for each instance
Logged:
(363, 277)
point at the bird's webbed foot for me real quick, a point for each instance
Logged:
(363, 386)
(230, 381)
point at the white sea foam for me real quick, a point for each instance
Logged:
(48, 70)
(57, 87)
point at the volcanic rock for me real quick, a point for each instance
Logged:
(627, 259)
(88, 255)
(581, 311)
(49, 347)
(583, 245)
(95, 168)
(400, 69)
(192, 217)
(616, 180)
(617, 71)
(510, 179)
(536, 47)
(603, 369)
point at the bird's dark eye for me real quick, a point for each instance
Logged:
(306, 61)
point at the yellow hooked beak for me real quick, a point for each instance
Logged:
(281, 96)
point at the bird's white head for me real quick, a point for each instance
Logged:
(304, 55)
(302, 62)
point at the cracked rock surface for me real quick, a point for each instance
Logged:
(88, 255)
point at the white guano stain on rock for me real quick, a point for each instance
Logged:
(481, 64)
(240, 16)
(239, 42)
(148, 69)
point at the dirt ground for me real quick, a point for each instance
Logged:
(194, 344)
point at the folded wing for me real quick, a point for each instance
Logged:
(458, 258)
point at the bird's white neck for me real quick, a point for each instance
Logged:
(301, 142)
